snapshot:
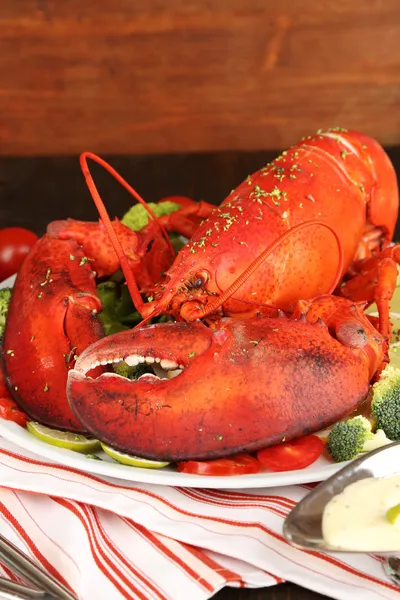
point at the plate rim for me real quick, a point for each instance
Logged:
(69, 458)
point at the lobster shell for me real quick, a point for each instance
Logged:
(245, 384)
(341, 178)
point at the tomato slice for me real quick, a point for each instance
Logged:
(290, 456)
(240, 464)
(10, 412)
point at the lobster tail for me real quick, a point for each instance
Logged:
(367, 165)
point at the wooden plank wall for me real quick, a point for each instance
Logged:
(156, 76)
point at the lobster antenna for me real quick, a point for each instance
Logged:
(125, 184)
(213, 306)
(129, 277)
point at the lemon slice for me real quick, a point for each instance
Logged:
(394, 348)
(132, 461)
(394, 355)
(63, 439)
(393, 514)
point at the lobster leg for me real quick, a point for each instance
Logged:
(375, 281)
(188, 218)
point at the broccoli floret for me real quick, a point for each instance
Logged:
(350, 438)
(118, 312)
(107, 295)
(5, 297)
(137, 216)
(177, 241)
(123, 369)
(385, 403)
(107, 292)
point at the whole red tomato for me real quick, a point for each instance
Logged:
(15, 244)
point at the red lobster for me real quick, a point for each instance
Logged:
(318, 218)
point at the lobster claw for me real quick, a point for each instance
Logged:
(53, 314)
(145, 250)
(242, 385)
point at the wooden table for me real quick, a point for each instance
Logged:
(34, 191)
(194, 75)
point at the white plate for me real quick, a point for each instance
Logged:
(319, 471)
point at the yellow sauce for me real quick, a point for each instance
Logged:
(356, 519)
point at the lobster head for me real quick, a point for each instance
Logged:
(187, 288)
(204, 275)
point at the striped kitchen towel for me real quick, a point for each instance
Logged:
(113, 540)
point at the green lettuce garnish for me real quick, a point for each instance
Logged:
(137, 216)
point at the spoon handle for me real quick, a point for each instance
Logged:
(20, 563)
(14, 590)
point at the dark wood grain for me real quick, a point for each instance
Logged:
(45, 189)
(34, 191)
(194, 75)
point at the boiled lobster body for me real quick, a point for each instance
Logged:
(244, 385)
(336, 190)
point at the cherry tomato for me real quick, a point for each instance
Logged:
(10, 412)
(240, 464)
(290, 456)
(15, 244)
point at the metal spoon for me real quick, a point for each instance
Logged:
(22, 564)
(303, 525)
(11, 590)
